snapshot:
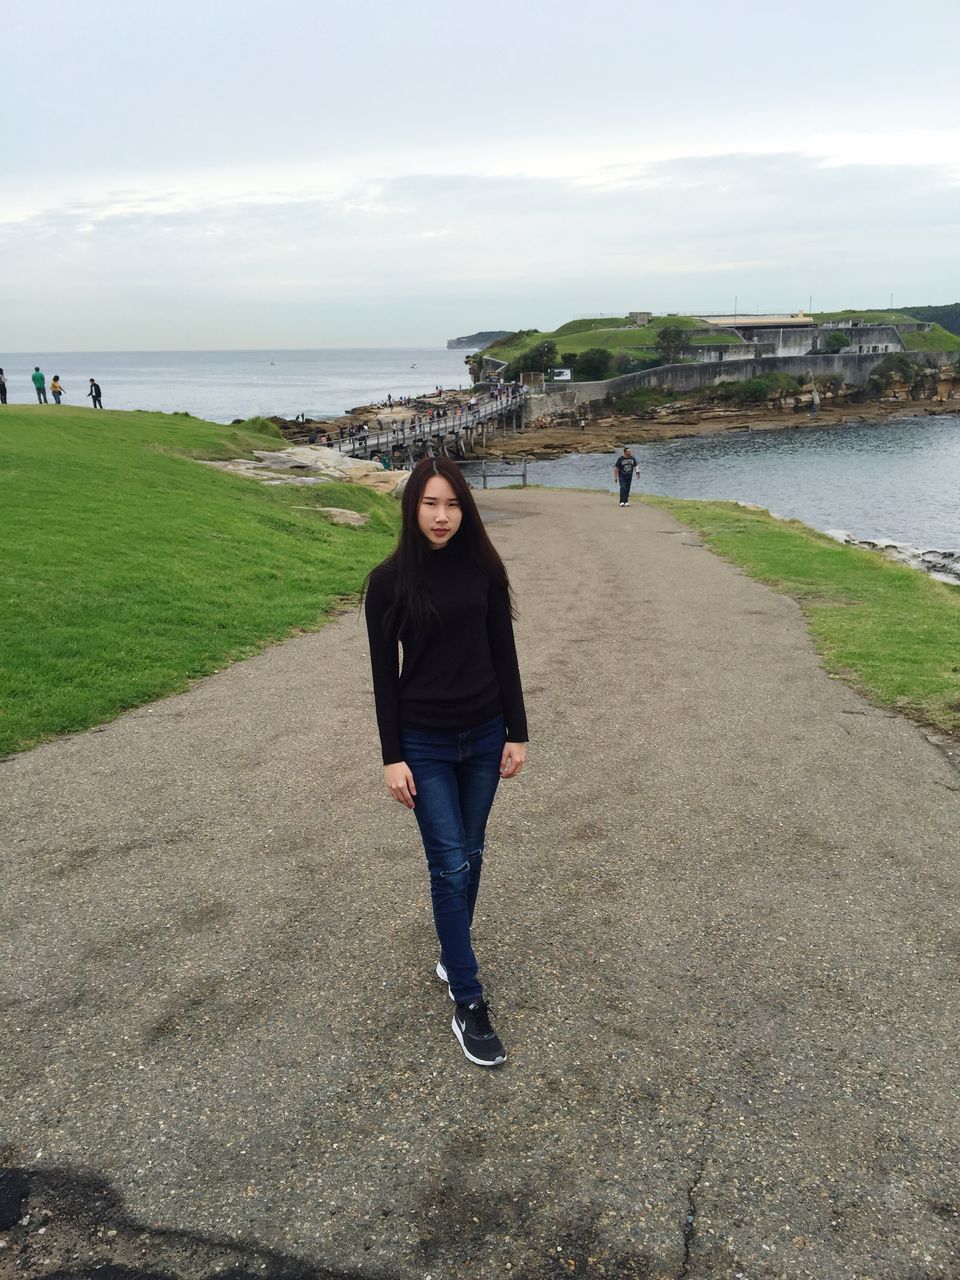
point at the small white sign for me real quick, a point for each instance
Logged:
(561, 375)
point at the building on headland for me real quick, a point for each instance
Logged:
(759, 336)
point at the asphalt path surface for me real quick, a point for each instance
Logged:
(718, 929)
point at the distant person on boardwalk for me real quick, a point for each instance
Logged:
(39, 385)
(451, 719)
(94, 395)
(56, 390)
(3, 388)
(623, 470)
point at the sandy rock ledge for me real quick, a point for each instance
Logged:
(308, 464)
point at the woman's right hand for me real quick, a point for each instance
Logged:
(400, 782)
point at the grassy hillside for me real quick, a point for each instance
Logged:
(578, 336)
(948, 316)
(868, 317)
(127, 570)
(936, 339)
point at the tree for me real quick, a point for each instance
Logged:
(671, 343)
(593, 365)
(836, 341)
(537, 360)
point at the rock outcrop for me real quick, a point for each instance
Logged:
(310, 464)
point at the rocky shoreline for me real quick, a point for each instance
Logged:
(942, 565)
(611, 432)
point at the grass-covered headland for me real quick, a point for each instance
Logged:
(888, 630)
(127, 570)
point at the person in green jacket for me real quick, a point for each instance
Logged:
(40, 385)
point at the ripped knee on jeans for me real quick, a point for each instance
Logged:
(445, 875)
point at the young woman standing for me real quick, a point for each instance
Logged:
(452, 721)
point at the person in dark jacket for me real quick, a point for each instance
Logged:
(623, 470)
(94, 395)
(452, 720)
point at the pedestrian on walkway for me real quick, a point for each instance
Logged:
(39, 385)
(452, 720)
(3, 388)
(623, 470)
(56, 390)
(94, 395)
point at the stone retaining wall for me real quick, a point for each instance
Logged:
(853, 368)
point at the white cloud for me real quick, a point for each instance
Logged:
(776, 225)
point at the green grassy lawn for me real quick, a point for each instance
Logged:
(868, 317)
(716, 340)
(890, 631)
(127, 570)
(937, 339)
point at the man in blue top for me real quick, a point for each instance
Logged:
(623, 470)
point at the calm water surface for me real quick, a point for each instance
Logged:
(223, 385)
(897, 480)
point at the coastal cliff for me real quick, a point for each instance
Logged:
(475, 341)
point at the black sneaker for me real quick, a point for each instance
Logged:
(478, 1040)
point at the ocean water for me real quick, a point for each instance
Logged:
(223, 385)
(898, 480)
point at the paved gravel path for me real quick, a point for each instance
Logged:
(718, 929)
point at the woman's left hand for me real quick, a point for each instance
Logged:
(513, 759)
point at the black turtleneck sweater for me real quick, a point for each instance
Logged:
(461, 670)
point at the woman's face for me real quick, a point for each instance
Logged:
(439, 513)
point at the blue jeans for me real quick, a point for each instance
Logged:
(625, 482)
(456, 776)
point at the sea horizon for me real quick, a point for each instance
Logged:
(223, 384)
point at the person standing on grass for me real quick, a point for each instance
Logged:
(56, 390)
(623, 470)
(94, 395)
(3, 388)
(39, 385)
(451, 720)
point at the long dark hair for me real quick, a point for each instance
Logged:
(411, 605)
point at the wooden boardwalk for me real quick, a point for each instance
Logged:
(453, 435)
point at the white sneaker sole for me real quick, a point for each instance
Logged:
(442, 975)
(480, 1062)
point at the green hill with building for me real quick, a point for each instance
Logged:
(637, 341)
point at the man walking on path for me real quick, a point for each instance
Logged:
(40, 385)
(623, 470)
(94, 394)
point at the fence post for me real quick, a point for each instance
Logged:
(524, 472)
(483, 472)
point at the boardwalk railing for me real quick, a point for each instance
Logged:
(458, 428)
(486, 471)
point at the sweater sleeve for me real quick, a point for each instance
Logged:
(503, 652)
(385, 661)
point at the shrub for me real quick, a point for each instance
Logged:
(836, 342)
(593, 365)
(757, 390)
(632, 362)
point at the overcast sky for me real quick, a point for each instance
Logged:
(223, 173)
